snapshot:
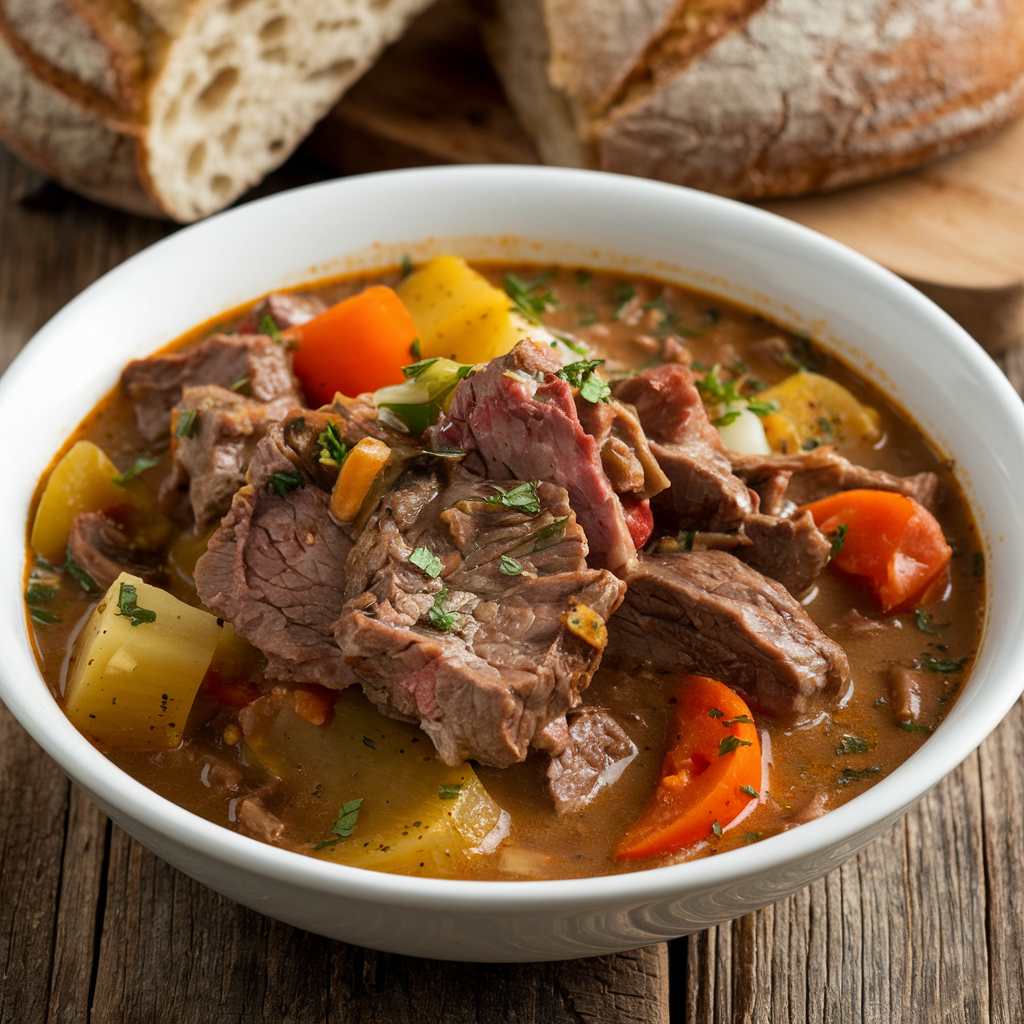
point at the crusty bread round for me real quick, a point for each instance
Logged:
(759, 98)
(176, 107)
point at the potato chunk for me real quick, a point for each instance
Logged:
(83, 481)
(458, 313)
(137, 665)
(417, 817)
(813, 410)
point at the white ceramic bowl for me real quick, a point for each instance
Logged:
(875, 321)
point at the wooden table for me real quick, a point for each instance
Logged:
(926, 925)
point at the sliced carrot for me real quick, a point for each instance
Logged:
(887, 540)
(358, 472)
(360, 344)
(710, 774)
(315, 703)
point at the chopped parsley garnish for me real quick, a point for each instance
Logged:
(826, 425)
(849, 775)
(583, 278)
(285, 482)
(731, 743)
(852, 745)
(128, 606)
(810, 444)
(78, 574)
(449, 791)
(269, 328)
(752, 837)
(510, 566)
(934, 664)
(414, 350)
(622, 295)
(367, 742)
(348, 814)
(687, 539)
(140, 465)
(838, 538)
(761, 408)
(425, 560)
(43, 616)
(581, 375)
(187, 421)
(716, 713)
(406, 266)
(716, 828)
(439, 618)
(528, 301)
(549, 534)
(242, 386)
(924, 622)
(39, 593)
(914, 727)
(521, 498)
(744, 719)
(330, 449)
(750, 791)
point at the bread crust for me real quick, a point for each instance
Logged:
(798, 96)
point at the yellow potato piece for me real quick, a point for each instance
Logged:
(458, 313)
(132, 686)
(83, 481)
(418, 816)
(813, 408)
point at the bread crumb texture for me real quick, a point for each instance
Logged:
(172, 107)
(759, 98)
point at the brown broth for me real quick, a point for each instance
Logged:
(802, 763)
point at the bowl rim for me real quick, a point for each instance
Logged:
(889, 797)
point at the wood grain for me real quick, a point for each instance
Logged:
(926, 925)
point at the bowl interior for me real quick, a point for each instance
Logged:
(875, 322)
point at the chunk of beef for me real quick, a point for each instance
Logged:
(705, 494)
(595, 751)
(104, 551)
(793, 551)
(521, 421)
(286, 310)
(708, 613)
(210, 463)
(275, 569)
(483, 660)
(823, 471)
(154, 385)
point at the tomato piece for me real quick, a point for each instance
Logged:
(716, 751)
(888, 541)
(639, 519)
(231, 692)
(360, 344)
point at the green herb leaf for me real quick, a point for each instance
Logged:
(752, 837)
(128, 606)
(406, 266)
(575, 374)
(914, 727)
(716, 828)
(78, 574)
(449, 791)
(731, 743)
(583, 278)
(978, 565)
(439, 618)
(924, 622)
(242, 387)
(414, 350)
(745, 719)
(415, 369)
(330, 449)
(838, 538)
(716, 713)
(269, 328)
(528, 301)
(187, 422)
(622, 295)
(596, 390)
(284, 483)
(850, 775)
(43, 616)
(946, 665)
(39, 593)
(140, 465)
(730, 417)
(852, 745)
(688, 538)
(521, 498)
(762, 408)
(348, 814)
(510, 566)
(810, 444)
(425, 560)
(750, 791)
(367, 742)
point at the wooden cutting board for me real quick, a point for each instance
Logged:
(954, 228)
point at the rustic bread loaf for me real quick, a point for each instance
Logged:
(759, 98)
(176, 107)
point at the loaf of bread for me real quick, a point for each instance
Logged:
(176, 107)
(759, 98)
